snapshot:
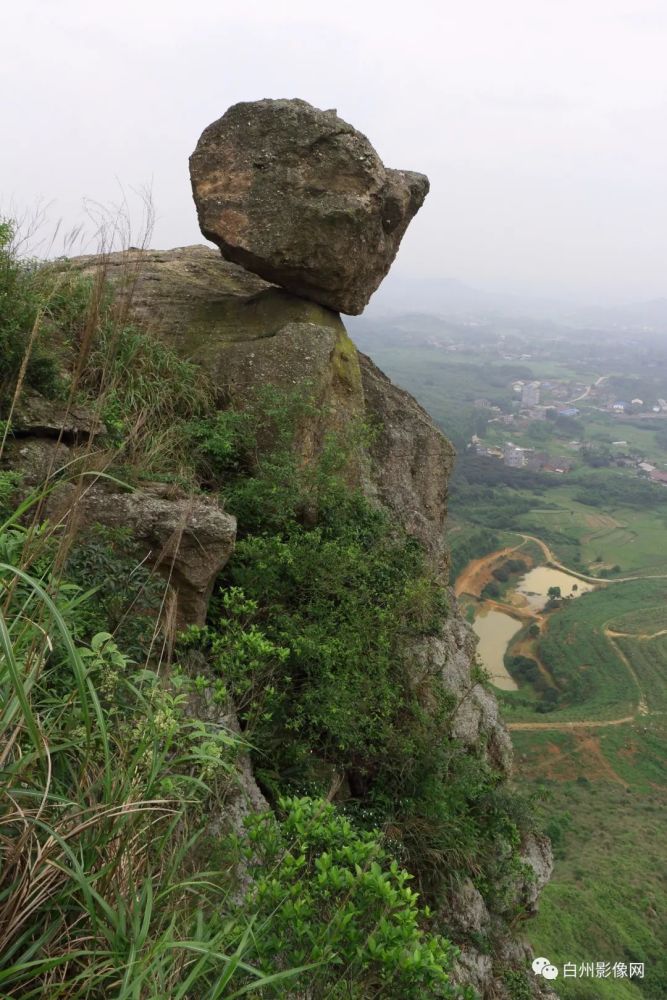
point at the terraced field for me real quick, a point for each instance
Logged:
(644, 622)
(602, 676)
(633, 540)
(605, 807)
(648, 659)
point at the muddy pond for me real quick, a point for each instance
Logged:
(534, 586)
(495, 629)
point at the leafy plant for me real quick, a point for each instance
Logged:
(330, 896)
(125, 595)
(312, 633)
(103, 765)
(32, 304)
(8, 483)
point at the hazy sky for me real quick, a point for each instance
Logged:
(541, 123)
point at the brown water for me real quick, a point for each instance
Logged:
(535, 585)
(495, 629)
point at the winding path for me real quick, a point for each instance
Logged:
(642, 707)
(601, 581)
(587, 393)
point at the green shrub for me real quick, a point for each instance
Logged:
(518, 984)
(222, 443)
(469, 545)
(509, 568)
(525, 668)
(32, 304)
(331, 894)
(125, 595)
(8, 483)
(330, 604)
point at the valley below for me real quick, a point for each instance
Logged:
(560, 566)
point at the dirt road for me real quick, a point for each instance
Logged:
(477, 573)
(584, 724)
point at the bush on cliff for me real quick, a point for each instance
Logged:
(311, 633)
(331, 897)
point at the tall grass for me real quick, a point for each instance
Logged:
(103, 775)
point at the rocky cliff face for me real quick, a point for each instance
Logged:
(247, 333)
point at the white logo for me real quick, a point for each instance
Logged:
(543, 967)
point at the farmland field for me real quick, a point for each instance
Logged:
(648, 659)
(589, 721)
(592, 538)
(599, 675)
(604, 800)
(644, 621)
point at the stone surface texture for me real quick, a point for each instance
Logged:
(301, 198)
(476, 721)
(410, 460)
(36, 416)
(187, 539)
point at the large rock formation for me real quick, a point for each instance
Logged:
(301, 198)
(247, 334)
(410, 461)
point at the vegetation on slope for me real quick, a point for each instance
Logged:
(602, 785)
(319, 611)
(604, 806)
(106, 777)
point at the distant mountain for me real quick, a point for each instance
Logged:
(452, 300)
(638, 316)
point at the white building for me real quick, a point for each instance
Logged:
(530, 394)
(514, 456)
